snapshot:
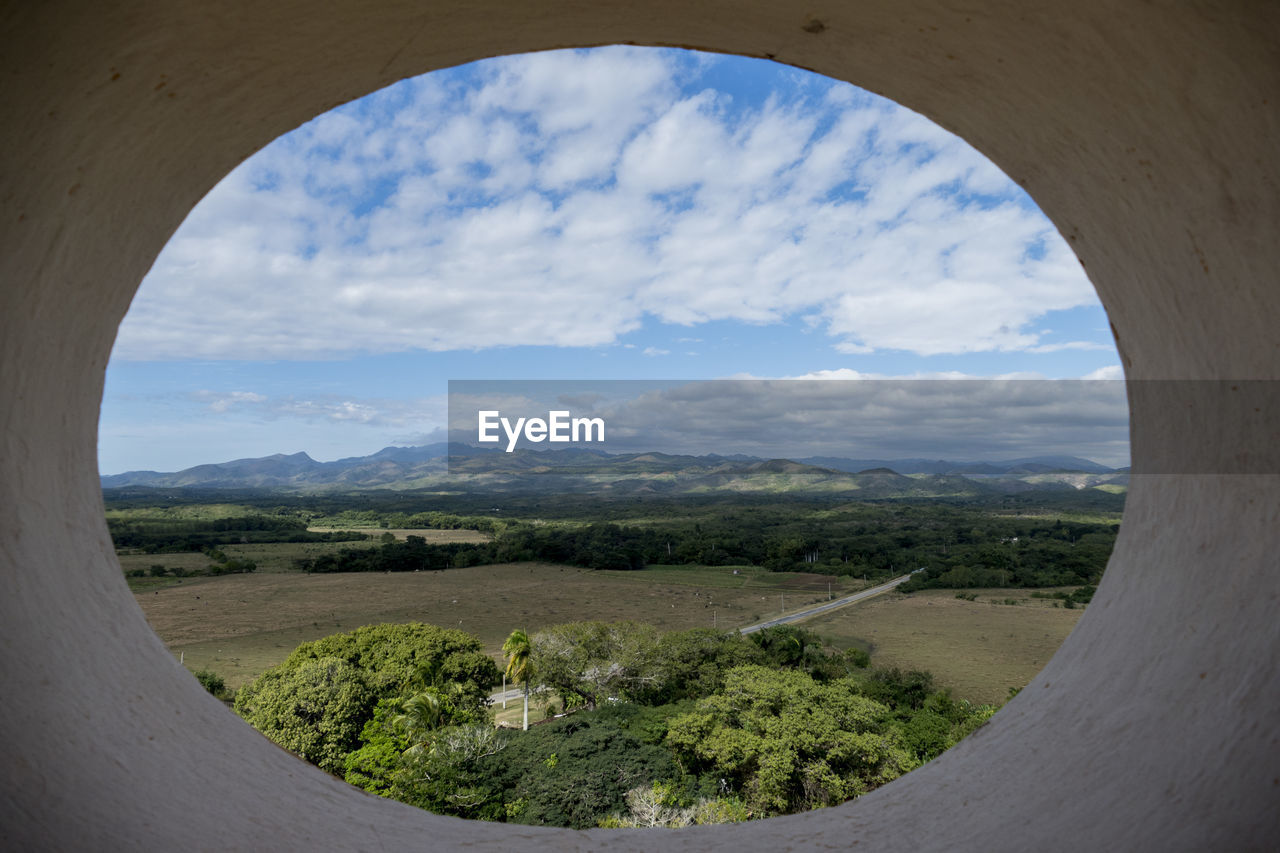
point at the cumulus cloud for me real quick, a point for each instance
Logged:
(333, 409)
(561, 198)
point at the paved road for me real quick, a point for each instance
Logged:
(828, 606)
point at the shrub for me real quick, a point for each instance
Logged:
(211, 681)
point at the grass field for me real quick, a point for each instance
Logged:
(239, 625)
(433, 535)
(279, 556)
(980, 648)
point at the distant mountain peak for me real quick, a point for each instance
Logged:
(576, 469)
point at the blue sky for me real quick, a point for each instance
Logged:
(617, 213)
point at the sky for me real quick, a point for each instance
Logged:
(604, 214)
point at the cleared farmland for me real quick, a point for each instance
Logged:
(980, 648)
(239, 625)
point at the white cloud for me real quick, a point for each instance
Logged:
(560, 198)
(222, 402)
(333, 409)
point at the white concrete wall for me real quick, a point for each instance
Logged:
(1148, 132)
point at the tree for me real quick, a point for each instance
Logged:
(315, 709)
(399, 659)
(453, 776)
(519, 655)
(318, 701)
(596, 661)
(692, 664)
(575, 770)
(423, 713)
(789, 743)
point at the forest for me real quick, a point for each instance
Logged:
(646, 728)
(958, 548)
(1022, 541)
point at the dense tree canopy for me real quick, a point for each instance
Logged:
(317, 702)
(686, 727)
(315, 708)
(789, 743)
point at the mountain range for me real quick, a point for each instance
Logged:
(461, 467)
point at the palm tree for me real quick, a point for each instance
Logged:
(518, 650)
(424, 712)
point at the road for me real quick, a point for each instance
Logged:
(824, 608)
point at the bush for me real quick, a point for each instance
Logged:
(211, 681)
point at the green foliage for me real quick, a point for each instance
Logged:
(166, 530)
(1008, 541)
(431, 709)
(596, 763)
(315, 708)
(647, 724)
(458, 774)
(589, 662)
(1079, 596)
(787, 742)
(595, 661)
(693, 663)
(518, 652)
(857, 658)
(317, 702)
(211, 681)
(790, 647)
(373, 766)
(902, 690)
(660, 804)
(397, 659)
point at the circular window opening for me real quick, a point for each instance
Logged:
(883, 374)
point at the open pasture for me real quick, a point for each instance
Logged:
(269, 556)
(434, 536)
(979, 648)
(239, 625)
